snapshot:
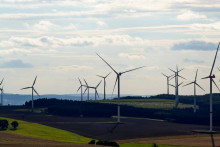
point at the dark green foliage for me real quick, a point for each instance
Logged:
(3, 124)
(14, 124)
(107, 143)
(92, 142)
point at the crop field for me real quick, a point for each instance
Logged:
(148, 103)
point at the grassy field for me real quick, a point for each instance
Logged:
(148, 103)
(45, 132)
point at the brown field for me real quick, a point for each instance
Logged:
(130, 130)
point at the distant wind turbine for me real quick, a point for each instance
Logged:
(211, 77)
(104, 83)
(195, 84)
(1, 92)
(95, 88)
(176, 84)
(33, 90)
(80, 87)
(87, 89)
(168, 79)
(118, 74)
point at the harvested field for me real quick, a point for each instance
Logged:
(106, 128)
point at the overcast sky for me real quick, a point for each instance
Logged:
(57, 40)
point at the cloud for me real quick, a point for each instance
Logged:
(71, 68)
(43, 25)
(132, 56)
(190, 15)
(186, 60)
(194, 45)
(15, 64)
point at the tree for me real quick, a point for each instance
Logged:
(3, 124)
(14, 124)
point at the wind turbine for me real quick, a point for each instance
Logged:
(168, 79)
(80, 87)
(211, 77)
(118, 74)
(87, 88)
(104, 83)
(33, 90)
(95, 88)
(1, 92)
(195, 84)
(176, 84)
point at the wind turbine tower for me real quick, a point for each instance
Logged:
(87, 88)
(177, 84)
(104, 83)
(211, 77)
(195, 84)
(80, 87)
(33, 90)
(1, 92)
(118, 74)
(95, 88)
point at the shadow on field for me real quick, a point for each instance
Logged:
(114, 127)
(212, 139)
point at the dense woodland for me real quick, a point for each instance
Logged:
(96, 109)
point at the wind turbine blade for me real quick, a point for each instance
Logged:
(108, 64)
(36, 92)
(108, 75)
(85, 90)
(200, 87)
(206, 77)
(132, 69)
(80, 81)
(181, 70)
(172, 70)
(180, 83)
(172, 77)
(97, 93)
(100, 76)
(188, 84)
(181, 77)
(98, 84)
(218, 68)
(164, 75)
(86, 82)
(215, 84)
(172, 85)
(79, 88)
(25, 88)
(114, 85)
(34, 81)
(214, 60)
(196, 75)
(2, 81)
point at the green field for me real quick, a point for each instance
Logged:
(148, 103)
(45, 132)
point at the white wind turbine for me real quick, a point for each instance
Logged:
(168, 85)
(104, 83)
(95, 88)
(80, 87)
(33, 90)
(118, 74)
(2, 92)
(195, 84)
(211, 77)
(87, 88)
(176, 84)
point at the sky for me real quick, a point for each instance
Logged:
(57, 40)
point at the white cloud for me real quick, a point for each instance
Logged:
(190, 15)
(132, 56)
(68, 68)
(43, 25)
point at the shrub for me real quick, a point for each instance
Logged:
(3, 124)
(92, 142)
(107, 143)
(14, 124)
(154, 145)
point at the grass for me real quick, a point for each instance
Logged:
(146, 145)
(148, 103)
(45, 132)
